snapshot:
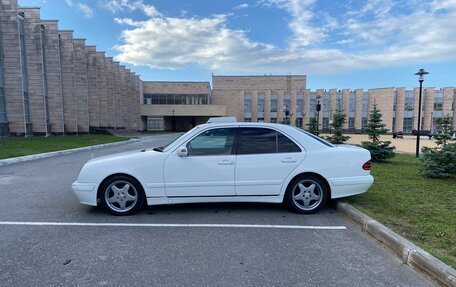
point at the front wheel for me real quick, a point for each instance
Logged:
(306, 194)
(121, 195)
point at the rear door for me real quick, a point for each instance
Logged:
(265, 157)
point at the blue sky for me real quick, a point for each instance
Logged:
(338, 44)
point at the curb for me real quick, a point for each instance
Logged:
(62, 152)
(406, 251)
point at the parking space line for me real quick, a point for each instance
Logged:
(315, 227)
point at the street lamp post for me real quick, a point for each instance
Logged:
(318, 108)
(421, 74)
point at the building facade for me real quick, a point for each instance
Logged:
(53, 83)
(177, 106)
(285, 98)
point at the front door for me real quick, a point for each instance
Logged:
(208, 170)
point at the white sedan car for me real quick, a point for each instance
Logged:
(228, 162)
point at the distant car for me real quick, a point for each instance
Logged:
(228, 162)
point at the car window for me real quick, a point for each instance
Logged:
(285, 144)
(212, 142)
(326, 143)
(261, 140)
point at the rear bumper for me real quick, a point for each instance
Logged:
(346, 186)
(85, 192)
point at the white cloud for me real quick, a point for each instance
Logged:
(69, 3)
(86, 10)
(120, 5)
(377, 34)
(241, 6)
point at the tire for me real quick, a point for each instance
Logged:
(306, 194)
(121, 195)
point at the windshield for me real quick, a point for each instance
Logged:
(170, 145)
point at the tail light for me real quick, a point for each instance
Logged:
(367, 165)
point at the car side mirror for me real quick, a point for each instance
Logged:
(182, 151)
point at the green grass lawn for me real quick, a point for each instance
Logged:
(421, 209)
(14, 147)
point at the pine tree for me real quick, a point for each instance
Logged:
(339, 119)
(440, 162)
(313, 126)
(444, 136)
(375, 127)
(380, 150)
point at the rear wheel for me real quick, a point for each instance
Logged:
(306, 194)
(121, 195)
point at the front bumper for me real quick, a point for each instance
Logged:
(85, 192)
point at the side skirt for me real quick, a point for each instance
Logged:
(178, 200)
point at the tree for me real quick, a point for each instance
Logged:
(339, 119)
(380, 150)
(440, 162)
(313, 126)
(444, 135)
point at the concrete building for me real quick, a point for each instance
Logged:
(177, 106)
(52, 83)
(277, 98)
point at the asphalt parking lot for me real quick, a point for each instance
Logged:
(181, 245)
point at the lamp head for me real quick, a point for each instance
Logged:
(421, 74)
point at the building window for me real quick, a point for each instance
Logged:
(273, 120)
(247, 103)
(261, 120)
(286, 104)
(299, 122)
(299, 104)
(363, 122)
(260, 104)
(438, 103)
(247, 120)
(155, 124)
(408, 125)
(325, 123)
(340, 101)
(325, 106)
(273, 103)
(409, 101)
(351, 123)
(352, 105)
(313, 104)
(175, 99)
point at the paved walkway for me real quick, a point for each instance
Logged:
(407, 144)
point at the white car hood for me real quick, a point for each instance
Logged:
(116, 156)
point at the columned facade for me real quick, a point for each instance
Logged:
(52, 83)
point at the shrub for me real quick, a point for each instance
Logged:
(380, 151)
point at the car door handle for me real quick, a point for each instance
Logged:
(226, 162)
(288, 160)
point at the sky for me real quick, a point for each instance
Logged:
(337, 44)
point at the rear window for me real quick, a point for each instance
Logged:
(326, 143)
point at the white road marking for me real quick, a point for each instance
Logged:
(321, 227)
